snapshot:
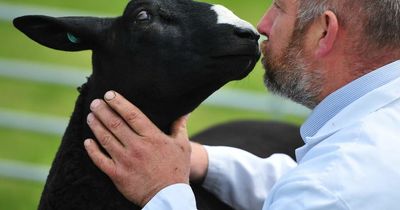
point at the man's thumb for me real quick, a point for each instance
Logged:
(179, 128)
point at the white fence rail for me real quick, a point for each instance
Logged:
(32, 122)
(9, 11)
(23, 171)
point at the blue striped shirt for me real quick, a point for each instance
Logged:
(344, 96)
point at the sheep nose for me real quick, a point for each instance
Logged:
(247, 33)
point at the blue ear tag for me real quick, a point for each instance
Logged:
(72, 38)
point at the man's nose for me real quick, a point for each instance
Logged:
(262, 27)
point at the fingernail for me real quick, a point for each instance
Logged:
(90, 118)
(95, 104)
(87, 142)
(110, 95)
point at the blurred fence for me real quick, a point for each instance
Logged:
(45, 73)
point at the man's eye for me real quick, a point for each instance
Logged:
(143, 16)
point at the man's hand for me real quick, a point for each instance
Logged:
(142, 159)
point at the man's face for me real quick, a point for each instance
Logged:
(287, 64)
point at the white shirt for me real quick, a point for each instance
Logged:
(350, 160)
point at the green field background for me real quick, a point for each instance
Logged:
(55, 100)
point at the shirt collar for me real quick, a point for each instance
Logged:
(344, 96)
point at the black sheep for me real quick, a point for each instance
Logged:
(165, 56)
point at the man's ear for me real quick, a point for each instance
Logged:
(328, 34)
(65, 33)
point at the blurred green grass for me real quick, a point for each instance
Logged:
(19, 195)
(37, 97)
(58, 100)
(37, 149)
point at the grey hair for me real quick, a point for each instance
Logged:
(383, 24)
(379, 20)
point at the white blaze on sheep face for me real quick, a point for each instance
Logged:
(226, 16)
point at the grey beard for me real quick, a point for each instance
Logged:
(288, 77)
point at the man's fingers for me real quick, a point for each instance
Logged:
(112, 121)
(99, 159)
(131, 114)
(106, 139)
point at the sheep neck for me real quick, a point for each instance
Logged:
(160, 113)
(138, 83)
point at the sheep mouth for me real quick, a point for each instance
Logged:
(248, 62)
(249, 67)
(234, 52)
(246, 59)
(251, 53)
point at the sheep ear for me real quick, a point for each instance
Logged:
(65, 33)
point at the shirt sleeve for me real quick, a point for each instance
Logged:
(173, 197)
(300, 195)
(241, 179)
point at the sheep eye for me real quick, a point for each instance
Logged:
(142, 16)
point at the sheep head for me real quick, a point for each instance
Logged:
(166, 56)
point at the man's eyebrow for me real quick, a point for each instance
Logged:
(280, 4)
